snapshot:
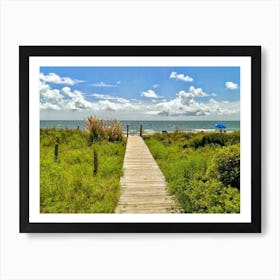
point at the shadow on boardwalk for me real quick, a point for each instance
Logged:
(143, 186)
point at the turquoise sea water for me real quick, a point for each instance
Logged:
(149, 126)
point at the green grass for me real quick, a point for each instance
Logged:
(202, 170)
(68, 185)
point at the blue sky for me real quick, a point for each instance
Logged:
(141, 93)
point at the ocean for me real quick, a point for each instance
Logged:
(149, 126)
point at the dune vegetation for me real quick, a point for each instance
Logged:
(83, 175)
(80, 170)
(202, 169)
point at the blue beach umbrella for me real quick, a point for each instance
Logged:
(220, 125)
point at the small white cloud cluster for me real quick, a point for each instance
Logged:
(110, 97)
(102, 84)
(149, 94)
(106, 105)
(231, 85)
(56, 79)
(180, 77)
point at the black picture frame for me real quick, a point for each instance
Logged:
(254, 52)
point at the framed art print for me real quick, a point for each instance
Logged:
(140, 138)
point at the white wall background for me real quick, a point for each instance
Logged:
(139, 256)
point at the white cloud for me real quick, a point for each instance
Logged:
(180, 77)
(106, 105)
(49, 106)
(77, 100)
(181, 107)
(231, 85)
(64, 99)
(187, 97)
(102, 84)
(102, 96)
(56, 79)
(197, 91)
(155, 86)
(176, 107)
(150, 94)
(72, 94)
(213, 101)
(68, 100)
(185, 104)
(49, 95)
(110, 97)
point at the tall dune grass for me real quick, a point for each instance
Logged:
(97, 129)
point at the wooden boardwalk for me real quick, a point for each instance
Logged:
(143, 186)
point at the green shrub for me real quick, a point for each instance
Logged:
(226, 166)
(211, 196)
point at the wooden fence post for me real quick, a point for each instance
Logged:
(127, 127)
(141, 130)
(56, 150)
(95, 162)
